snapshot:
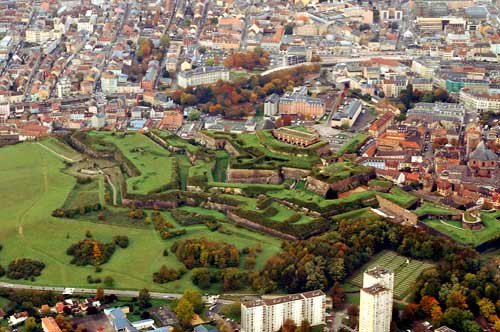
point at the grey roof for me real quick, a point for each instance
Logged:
(483, 153)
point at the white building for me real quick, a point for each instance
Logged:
(109, 82)
(480, 101)
(375, 309)
(268, 315)
(202, 76)
(6, 45)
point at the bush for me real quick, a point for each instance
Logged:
(2, 271)
(201, 277)
(204, 253)
(166, 274)
(121, 241)
(90, 252)
(24, 268)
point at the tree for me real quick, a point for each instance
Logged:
(353, 310)
(99, 294)
(289, 326)
(108, 281)
(201, 277)
(30, 325)
(193, 115)
(486, 307)
(144, 298)
(454, 318)
(338, 295)
(195, 299)
(184, 312)
(165, 41)
(305, 326)
(409, 312)
(457, 299)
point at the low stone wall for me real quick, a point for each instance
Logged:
(321, 187)
(254, 226)
(408, 218)
(149, 203)
(294, 173)
(231, 149)
(317, 186)
(83, 148)
(261, 176)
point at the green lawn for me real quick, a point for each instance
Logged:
(340, 170)
(364, 213)
(33, 185)
(85, 194)
(405, 274)
(429, 208)
(59, 147)
(155, 164)
(400, 197)
(490, 230)
(353, 145)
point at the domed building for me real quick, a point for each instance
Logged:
(482, 161)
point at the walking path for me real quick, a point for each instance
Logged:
(57, 154)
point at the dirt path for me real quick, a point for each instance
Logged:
(57, 154)
(113, 188)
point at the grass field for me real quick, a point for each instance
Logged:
(155, 164)
(364, 213)
(85, 194)
(33, 185)
(63, 149)
(454, 229)
(405, 274)
(353, 145)
(429, 208)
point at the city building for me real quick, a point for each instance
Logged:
(480, 101)
(271, 105)
(268, 315)
(299, 103)
(431, 112)
(376, 296)
(482, 161)
(295, 136)
(202, 75)
(49, 325)
(109, 82)
(347, 115)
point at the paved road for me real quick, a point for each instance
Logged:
(117, 292)
(128, 293)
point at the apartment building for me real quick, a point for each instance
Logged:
(202, 75)
(268, 315)
(480, 101)
(375, 310)
(109, 82)
(299, 103)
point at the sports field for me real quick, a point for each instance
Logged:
(33, 185)
(405, 274)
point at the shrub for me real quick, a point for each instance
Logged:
(204, 253)
(166, 274)
(121, 241)
(90, 252)
(24, 268)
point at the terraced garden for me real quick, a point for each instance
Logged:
(406, 272)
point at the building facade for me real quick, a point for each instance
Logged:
(375, 309)
(268, 315)
(202, 76)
